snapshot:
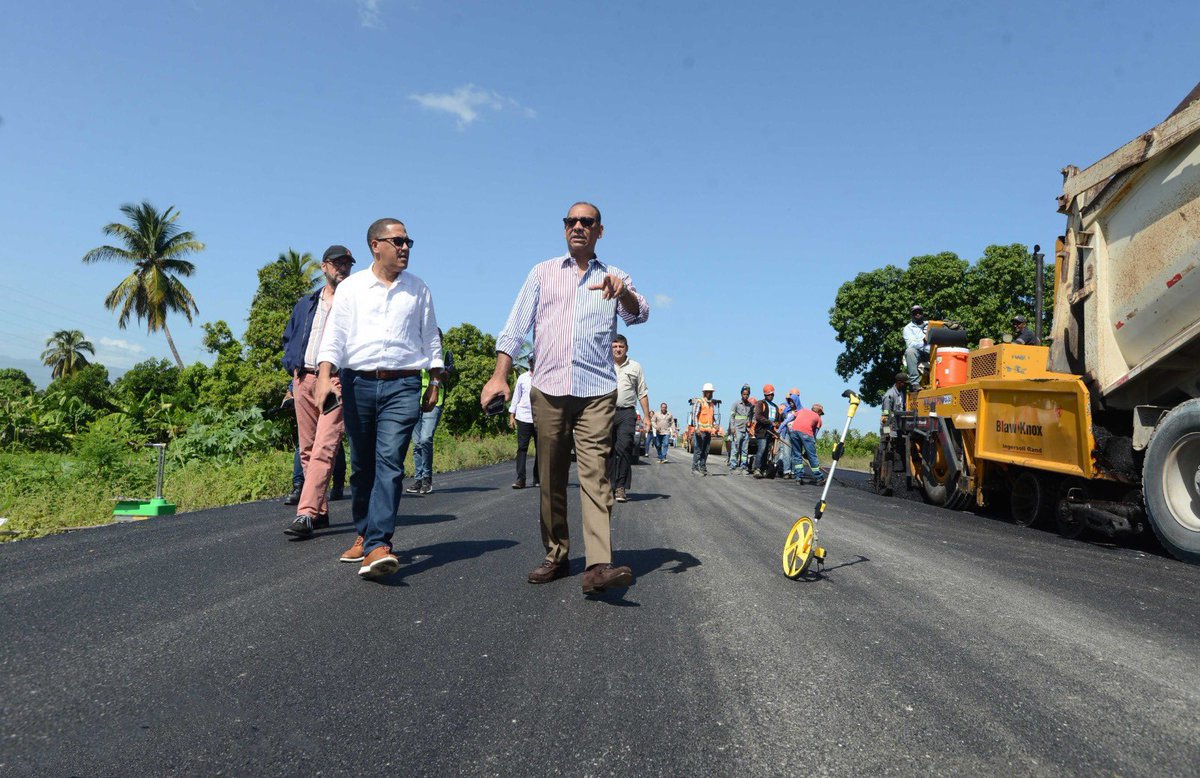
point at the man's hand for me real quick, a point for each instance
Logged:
(430, 399)
(324, 388)
(495, 387)
(512, 421)
(610, 288)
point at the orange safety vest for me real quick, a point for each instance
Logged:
(704, 414)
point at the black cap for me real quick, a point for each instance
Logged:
(916, 308)
(902, 377)
(335, 251)
(1020, 320)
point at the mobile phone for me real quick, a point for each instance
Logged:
(496, 406)
(333, 401)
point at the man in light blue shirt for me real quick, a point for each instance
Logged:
(916, 349)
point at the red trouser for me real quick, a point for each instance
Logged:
(320, 434)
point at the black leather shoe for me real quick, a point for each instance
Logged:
(294, 497)
(301, 527)
(321, 522)
(520, 484)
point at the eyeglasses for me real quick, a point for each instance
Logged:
(399, 242)
(585, 221)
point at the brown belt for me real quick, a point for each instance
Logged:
(384, 375)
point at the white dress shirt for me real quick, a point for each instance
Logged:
(520, 407)
(380, 326)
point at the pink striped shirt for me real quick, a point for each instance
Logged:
(573, 326)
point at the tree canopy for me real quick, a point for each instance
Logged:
(871, 310)
(65, 353)
(155, 245)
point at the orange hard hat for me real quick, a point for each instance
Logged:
(768, 389)
(793, 390)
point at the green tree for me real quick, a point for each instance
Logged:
(871, 310)
(280, 284)
(474, 359)
(82, 396)
(15, 382)
(153, 378)
(232, 383)
(64, 354)
(155, 245)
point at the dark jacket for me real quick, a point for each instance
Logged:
(765, 416)
(299, 327)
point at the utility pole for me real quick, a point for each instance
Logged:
(1039, 279)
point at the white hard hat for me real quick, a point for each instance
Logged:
(707, 388)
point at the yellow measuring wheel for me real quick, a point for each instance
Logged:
(800, 548)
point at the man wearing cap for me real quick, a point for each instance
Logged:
(807, 423)
(572, 304)
(382, 333)
(320, 433)
(631, 390)
(916, 350)
(1022, 334)
(739, 423)
(706, 419)
(765, 417)
(894, 398)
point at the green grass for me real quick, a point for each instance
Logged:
(42, 493)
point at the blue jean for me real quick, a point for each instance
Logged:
(423, 443)
(785, 451)
(662, 443)
(804, 447)
(381, 416)
(737, 449)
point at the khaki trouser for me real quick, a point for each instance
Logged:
(591, 421)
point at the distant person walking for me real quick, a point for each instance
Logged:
(739, 425)
(320, 433)
(662, 426)
(631, 390)
(382, 332)
(520, 418)
(572, 304)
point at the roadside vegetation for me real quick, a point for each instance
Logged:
(69, 451)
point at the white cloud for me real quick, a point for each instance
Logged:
(662, 301)
(467, 101)
(369, 14)
(117, 344)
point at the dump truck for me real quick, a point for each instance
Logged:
(1099, 430)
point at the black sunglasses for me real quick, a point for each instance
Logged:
(399, 242)
(586, 221)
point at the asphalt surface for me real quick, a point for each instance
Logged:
(934, 643)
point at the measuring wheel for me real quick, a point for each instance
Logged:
(798, 549)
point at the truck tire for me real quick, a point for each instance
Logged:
(1171, 481)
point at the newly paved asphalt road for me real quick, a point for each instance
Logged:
(936, 642)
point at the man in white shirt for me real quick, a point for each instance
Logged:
(520, 418)
(916, 350)
(381, 333)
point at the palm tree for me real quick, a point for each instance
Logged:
(302, 266)
(155, 245)
(65, 353)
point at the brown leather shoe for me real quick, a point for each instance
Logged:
(597, 578)
(619, 495)
(355, 552)
(520, 484)
(379, 563)
(548, 571)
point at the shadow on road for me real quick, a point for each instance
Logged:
(647, 560)
(812, 575)
(408, 520)
(440, 554)
(461, 489)
(635, 497)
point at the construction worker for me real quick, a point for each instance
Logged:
(894, 398)
(707, 419)
(739, 423)
(916, 350)
(764, 430)
(790, 451)
(807, 423)
(1021, 332)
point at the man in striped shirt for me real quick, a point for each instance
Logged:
(572, 303)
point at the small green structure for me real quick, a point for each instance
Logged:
(133, 510)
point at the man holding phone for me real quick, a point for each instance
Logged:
(382, 333)
(572, 303)
(320, 426)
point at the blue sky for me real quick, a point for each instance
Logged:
(748, 159)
